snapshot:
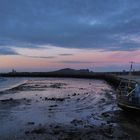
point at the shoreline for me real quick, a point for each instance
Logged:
(111, 79)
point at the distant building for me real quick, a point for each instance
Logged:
(124, 72)
(13, 71)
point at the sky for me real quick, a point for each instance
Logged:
(46, 35)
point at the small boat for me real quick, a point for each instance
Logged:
(128, 93)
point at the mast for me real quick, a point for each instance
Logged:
(131, 69)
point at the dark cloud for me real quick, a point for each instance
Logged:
(66, 54)
(7, 51)
(42, 57)
(93, 24)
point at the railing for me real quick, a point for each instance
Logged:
(124, 91)
(130, 93)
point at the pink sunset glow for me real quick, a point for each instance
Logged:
(57, 58)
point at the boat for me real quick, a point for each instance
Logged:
(128, 93)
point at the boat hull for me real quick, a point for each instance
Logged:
(129, 104)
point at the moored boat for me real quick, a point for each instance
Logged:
(128, 93)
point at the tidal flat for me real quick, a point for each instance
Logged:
(64, 109)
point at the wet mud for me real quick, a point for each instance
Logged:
(64, 109)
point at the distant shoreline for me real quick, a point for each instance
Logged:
(67, 73)
(110, 77)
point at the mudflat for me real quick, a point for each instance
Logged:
(64, 109)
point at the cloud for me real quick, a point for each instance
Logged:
(98, 24)
(66, 54)
(42, 57)
(7, 51)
